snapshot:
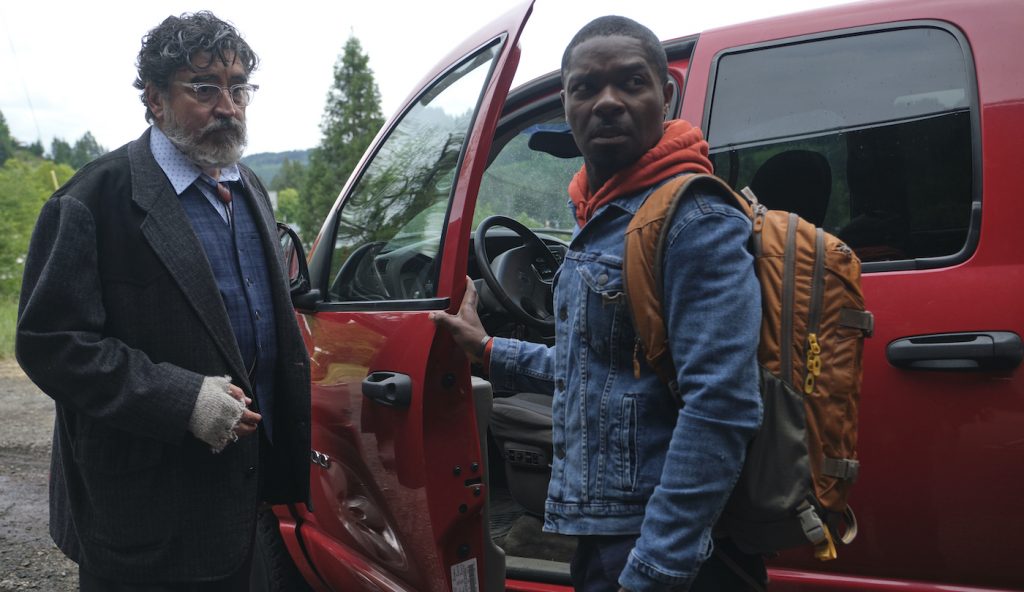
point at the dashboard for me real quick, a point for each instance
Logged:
(405, 270)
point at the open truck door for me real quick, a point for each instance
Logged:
(397, 484)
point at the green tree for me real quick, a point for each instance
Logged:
(35, 148)
(6, 141)
(288, 206)
(60, 151)
(351, 119)
(85, 150)
(292, 175)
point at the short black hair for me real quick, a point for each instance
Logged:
(607, 26)
(175, 42)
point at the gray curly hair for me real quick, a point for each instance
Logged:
(175, 42)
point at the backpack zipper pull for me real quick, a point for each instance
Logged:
(826, 551)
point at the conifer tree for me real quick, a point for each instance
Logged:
(60, 151)
(351, 119)
(85, 150)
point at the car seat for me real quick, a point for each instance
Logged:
(521, 426)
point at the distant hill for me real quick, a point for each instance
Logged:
(267, 164)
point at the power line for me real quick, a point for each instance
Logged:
(24, 85)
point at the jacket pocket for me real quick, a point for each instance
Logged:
(603, 275)
(603, 306)
(110, 451)
(123, 478)
(628, 446)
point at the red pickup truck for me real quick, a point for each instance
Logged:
(897, 125)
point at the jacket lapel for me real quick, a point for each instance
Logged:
(267, 224)
(170, 234)
(259, 203)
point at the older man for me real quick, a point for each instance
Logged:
(639, 480)
(155, 312)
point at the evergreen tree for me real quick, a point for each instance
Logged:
(60, 151)
(85, 150)
(351, 119)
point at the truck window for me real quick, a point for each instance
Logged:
(529, 184)
(868, 135)
(390, 228)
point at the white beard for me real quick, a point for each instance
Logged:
(217, 145)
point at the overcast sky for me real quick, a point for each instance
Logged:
(67, 66)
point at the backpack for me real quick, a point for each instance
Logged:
(799, 468)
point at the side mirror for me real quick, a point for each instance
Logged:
(295, 266)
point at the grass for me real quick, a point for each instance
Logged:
(8, 320)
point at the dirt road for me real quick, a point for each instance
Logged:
(28, 558)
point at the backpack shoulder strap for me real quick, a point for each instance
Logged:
(642, 264)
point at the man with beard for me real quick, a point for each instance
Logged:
(155, 312)
(638, 478)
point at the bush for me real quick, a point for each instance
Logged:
(25, 184)
(8, 322)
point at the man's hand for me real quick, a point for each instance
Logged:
(465, 326)
(250, 419)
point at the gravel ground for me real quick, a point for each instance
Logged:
(28, 558)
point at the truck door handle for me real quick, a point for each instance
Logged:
(975, 350)
(388, 388)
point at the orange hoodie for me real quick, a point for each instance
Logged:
(682, 149)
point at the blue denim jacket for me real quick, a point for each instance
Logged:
(627, 459)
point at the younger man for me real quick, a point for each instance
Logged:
(639, 480)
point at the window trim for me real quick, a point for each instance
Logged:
(433, 303)
(974, 109)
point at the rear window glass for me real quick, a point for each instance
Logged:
(867, 135)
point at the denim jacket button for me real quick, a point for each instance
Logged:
(602, 279)
(563, 313)
(560, 384)
(560, 451)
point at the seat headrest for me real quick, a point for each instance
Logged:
(795, 181)
(556, 142)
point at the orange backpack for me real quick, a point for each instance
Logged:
(795, 481)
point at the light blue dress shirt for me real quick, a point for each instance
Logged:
(182, 172)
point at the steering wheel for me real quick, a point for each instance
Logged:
(520, 278)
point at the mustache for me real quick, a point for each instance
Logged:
(222, 124)
(219, 143)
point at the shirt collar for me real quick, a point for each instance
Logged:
(180, 171)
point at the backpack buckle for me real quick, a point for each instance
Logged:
(814, 529)
(817, 533)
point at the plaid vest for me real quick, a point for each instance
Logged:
(239, 265)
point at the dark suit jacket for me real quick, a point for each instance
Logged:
(120, 320)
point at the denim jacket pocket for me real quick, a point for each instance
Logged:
(603, 304)
(603, 276)
(628, 447)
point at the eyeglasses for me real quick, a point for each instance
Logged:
(209, 94)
